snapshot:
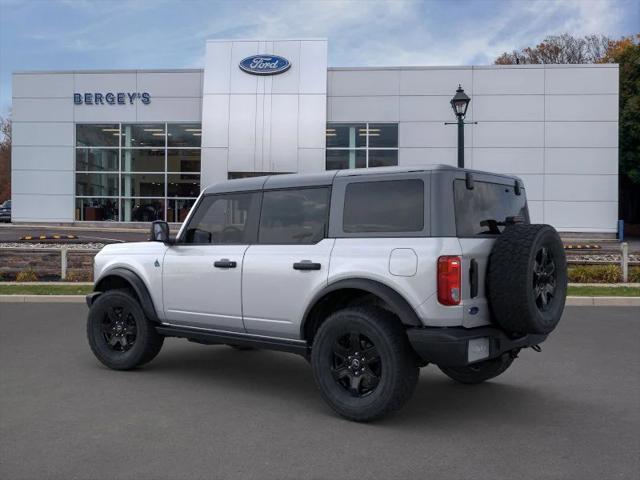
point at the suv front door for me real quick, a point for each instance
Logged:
(202, 272)
(290, 262)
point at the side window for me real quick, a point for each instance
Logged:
(484, 209)
(384, 206)
(294, 216)
(224, 219)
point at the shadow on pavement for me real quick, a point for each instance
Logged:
(437, 401)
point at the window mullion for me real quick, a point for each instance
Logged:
(166, 178)
(119, 172)
(367, 145)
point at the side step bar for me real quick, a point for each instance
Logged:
(213, 337)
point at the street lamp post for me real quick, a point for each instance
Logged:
(459, 104)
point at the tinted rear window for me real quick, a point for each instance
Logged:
(483, 209)
(384, 206)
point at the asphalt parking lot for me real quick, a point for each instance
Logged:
(572, 411)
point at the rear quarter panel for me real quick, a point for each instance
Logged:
(370, 258)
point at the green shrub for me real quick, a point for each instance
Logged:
(634, 274)
(27, 275)
(595, 273)
(79, 276)
(601, 274)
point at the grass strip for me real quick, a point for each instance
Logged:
(52, 289)
(599, 291)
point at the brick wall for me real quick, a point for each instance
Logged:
(46, 264)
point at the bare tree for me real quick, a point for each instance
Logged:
(5, 159)
(563, 48)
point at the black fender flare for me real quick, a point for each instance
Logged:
(396, 302)
(138, 286)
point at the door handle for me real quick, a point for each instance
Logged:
(224, 263)
(306, 265)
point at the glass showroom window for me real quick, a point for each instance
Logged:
(137, 172)
(361, 145)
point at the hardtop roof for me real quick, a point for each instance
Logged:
(290, 180)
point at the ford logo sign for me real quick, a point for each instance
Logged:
(265, 64)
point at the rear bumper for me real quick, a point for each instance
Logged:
(458, 346)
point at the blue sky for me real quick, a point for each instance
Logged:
(106, 34)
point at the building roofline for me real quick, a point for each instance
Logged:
(103, 70)
(330, 69)
(480, 67)
(227, 40)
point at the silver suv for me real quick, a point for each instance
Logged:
(369, 274)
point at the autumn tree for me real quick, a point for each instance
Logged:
(560, 49)
(5, 159)
(600, 49)
(626, 53)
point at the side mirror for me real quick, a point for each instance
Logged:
(159, 231)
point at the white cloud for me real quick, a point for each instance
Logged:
(405, 32)
(172, 34)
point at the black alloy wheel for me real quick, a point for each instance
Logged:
(119, 328)
(544, 278)
(527, 279)
(119, 333)
(362, 363)
(357, 366)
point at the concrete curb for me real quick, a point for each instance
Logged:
(571, 301)
(603, 301)
(42, 299)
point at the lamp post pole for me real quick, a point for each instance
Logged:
(460, 142)
(459, 104)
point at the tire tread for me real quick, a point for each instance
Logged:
(507, 280)
(405, 371)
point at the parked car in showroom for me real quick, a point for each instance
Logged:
(5, 211)
(369, 274)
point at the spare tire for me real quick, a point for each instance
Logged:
(527, 279)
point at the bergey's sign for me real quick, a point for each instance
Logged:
(265, 64)
(110, 98)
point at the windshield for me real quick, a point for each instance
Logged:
(485, 209)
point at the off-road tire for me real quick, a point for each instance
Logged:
(397, 368)
(147, 342)
(514, 275)
(479, 372)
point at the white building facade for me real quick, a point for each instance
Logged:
(123, 146)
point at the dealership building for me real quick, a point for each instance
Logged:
(137, 145)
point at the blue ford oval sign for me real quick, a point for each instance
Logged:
(265, 64)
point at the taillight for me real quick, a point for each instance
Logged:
(449, 281)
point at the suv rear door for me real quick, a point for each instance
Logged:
(290, 262)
